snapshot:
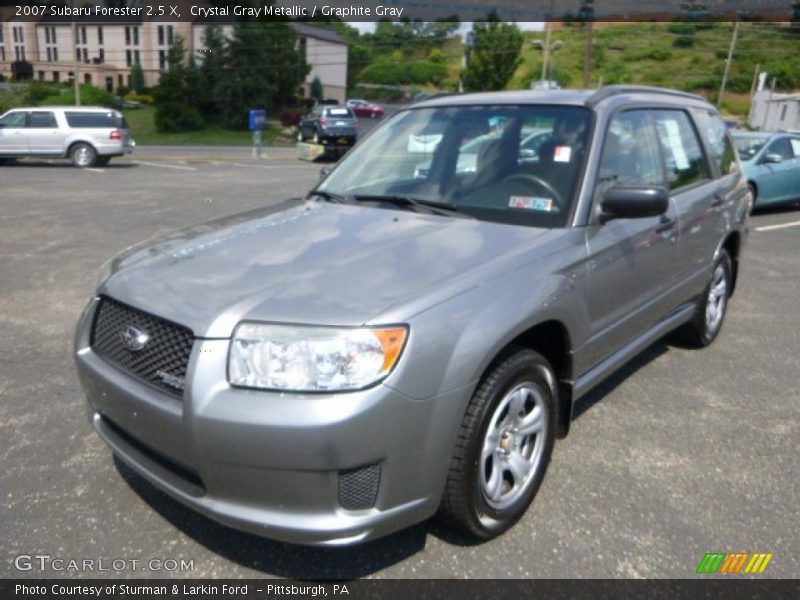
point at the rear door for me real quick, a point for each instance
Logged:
(13, 138)
(631, 262)
(777, 181)
(43, 133)
(699, 199)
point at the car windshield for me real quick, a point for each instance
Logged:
(749, 146)
(517, 164)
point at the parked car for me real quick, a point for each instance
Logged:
(86, 135)
(362, 108)
(394, 347)
(771, 163)
(328, 124)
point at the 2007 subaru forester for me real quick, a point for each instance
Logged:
(408, 341)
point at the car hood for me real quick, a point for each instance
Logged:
(316, 263)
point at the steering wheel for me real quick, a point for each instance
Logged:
(533, 179)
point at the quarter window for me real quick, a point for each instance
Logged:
(685, 162)
(781, 147)
(630, 153)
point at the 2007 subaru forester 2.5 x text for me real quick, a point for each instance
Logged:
(409, 341)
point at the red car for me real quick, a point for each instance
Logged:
(362, 108)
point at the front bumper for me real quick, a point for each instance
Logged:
(266, 462)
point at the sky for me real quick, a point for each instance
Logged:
(465, 26)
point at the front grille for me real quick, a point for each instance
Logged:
(163, 359)
(358, 488)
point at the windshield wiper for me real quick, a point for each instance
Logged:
(329, 197)
(423, 206)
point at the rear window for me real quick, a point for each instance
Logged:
(340, 112)
(94, 120)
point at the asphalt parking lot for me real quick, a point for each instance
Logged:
(683, 452)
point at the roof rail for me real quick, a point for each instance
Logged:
(613, 90)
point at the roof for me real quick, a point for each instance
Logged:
(564, 97)
(319, 33)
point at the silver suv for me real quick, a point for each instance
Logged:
(405, 343)
(86, 135)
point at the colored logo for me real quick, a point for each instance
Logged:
(734, 563)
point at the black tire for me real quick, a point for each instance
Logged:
(465, 505)
(4, 161)
(753, 193)
(82, 155)
(102, 161)
(700, 332)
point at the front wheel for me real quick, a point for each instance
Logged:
(82, 155)
(503, 448)
(711, 306)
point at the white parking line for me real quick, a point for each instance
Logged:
(781, 226)
(93, 170)
(282, 167)
(149, 164)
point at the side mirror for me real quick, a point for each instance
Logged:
(772, 158)
(324, 172)
(635, 202)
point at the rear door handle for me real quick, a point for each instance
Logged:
(665, 223)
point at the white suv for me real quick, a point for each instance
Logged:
(86, 135)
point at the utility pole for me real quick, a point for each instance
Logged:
(587, 58)
(75, 59)
(546, 56)
(755, 81)
(728, 63)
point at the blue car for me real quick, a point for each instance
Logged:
(771, 162)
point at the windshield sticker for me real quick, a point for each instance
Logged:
(562, 154)
(532, 203)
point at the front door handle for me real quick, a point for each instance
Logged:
(665, 223)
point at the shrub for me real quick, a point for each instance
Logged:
(141, 98)
(683, 41)
(90, 96)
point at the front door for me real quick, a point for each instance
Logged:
(12, 134)
(631, 262)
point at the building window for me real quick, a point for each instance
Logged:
(85, 55)
(46, 35)
(49, 54)
(41, 75)
(78, 54)
(2, 54)
(53, 35)
(83, 35)
(120, 80)
(100, 35)
(170, 34)
(160, 35)
(136, 57)
(128, 58)
(87, 78)
(101, 55)
(136, 36)
(127, 36)
(55, 54)
(56, 76)
(162, 59)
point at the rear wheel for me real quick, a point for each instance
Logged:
(503, 448)
(82, 155)
(711, 306)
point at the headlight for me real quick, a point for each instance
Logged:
(312, 359)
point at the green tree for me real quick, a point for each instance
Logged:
(495, 56)
(264, 67)
(212, 67)
(137, 79)
(177, 93)
(317, 91)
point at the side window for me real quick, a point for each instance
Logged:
(795, 146)
(713, 128)
(42, 120)
(630, 153)
(683, 154)
(782, 147)
(15, 119)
